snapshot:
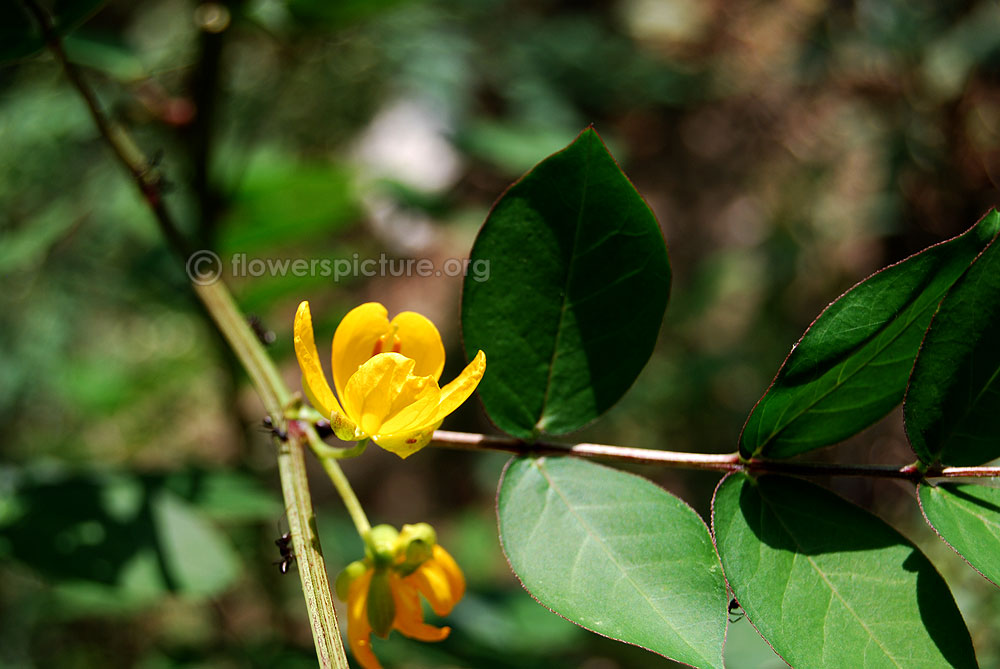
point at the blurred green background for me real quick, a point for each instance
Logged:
(789, 149)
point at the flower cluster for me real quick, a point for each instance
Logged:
(386, 376)
(383, 590)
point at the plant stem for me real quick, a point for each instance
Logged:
(476, 442)
(312, 569)
(723, 462)
(328, 456)
(127, 152)
(266, 379)
(343, 487)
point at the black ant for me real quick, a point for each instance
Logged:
(735, 610)
(276, 431)
(266, 337)
(323, 428)
(284, 544)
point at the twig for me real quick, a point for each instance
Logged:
(480, 442)
(125, 149)
(722, 462)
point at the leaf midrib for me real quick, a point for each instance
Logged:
(841, 380)
(566, 286)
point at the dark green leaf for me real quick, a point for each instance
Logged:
(577, 287)
(827, 584)
(615, 554)
(952, 407)
(114, 538)
(851, 366)
(967, 517)
(20, 35)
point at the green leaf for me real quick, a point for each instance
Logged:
(827, 584)
(967, 518)
(851, 366)
(577, 287)
(952, 408)
(616, 555)
(197, 559)
(20, 35)
(282, 202)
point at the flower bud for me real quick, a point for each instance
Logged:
(414, 547)
(347, 576)
(380, 545)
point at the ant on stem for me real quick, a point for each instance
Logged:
(284, 544)
(276, 431)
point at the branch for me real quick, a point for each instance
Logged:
(128, 154)
(722, 462)
(482, 442)
(260, 368)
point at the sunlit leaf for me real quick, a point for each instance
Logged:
(952, 407)
(615, 554)
(851, 366)
(827, 584)
(967, 517)
(575, 295)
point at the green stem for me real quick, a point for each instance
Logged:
(312, 569)
(258, 364)
(322, 450)
(343, 487)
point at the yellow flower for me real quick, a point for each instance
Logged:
(383, 590)
(386, 375)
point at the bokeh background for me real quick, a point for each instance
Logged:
(789, 148)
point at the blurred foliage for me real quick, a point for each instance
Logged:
(788, 148)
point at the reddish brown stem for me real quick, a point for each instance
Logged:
(722, 462)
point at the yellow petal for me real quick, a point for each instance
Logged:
(420, 340)
(430, 410)
(451, 568)
(431, 580)
(453, 394)
(413, 417)
(405, 444)
(358, 628)
(459, 390)
(383, 387)
(314, 382)
(355, 339)
(409, 615)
